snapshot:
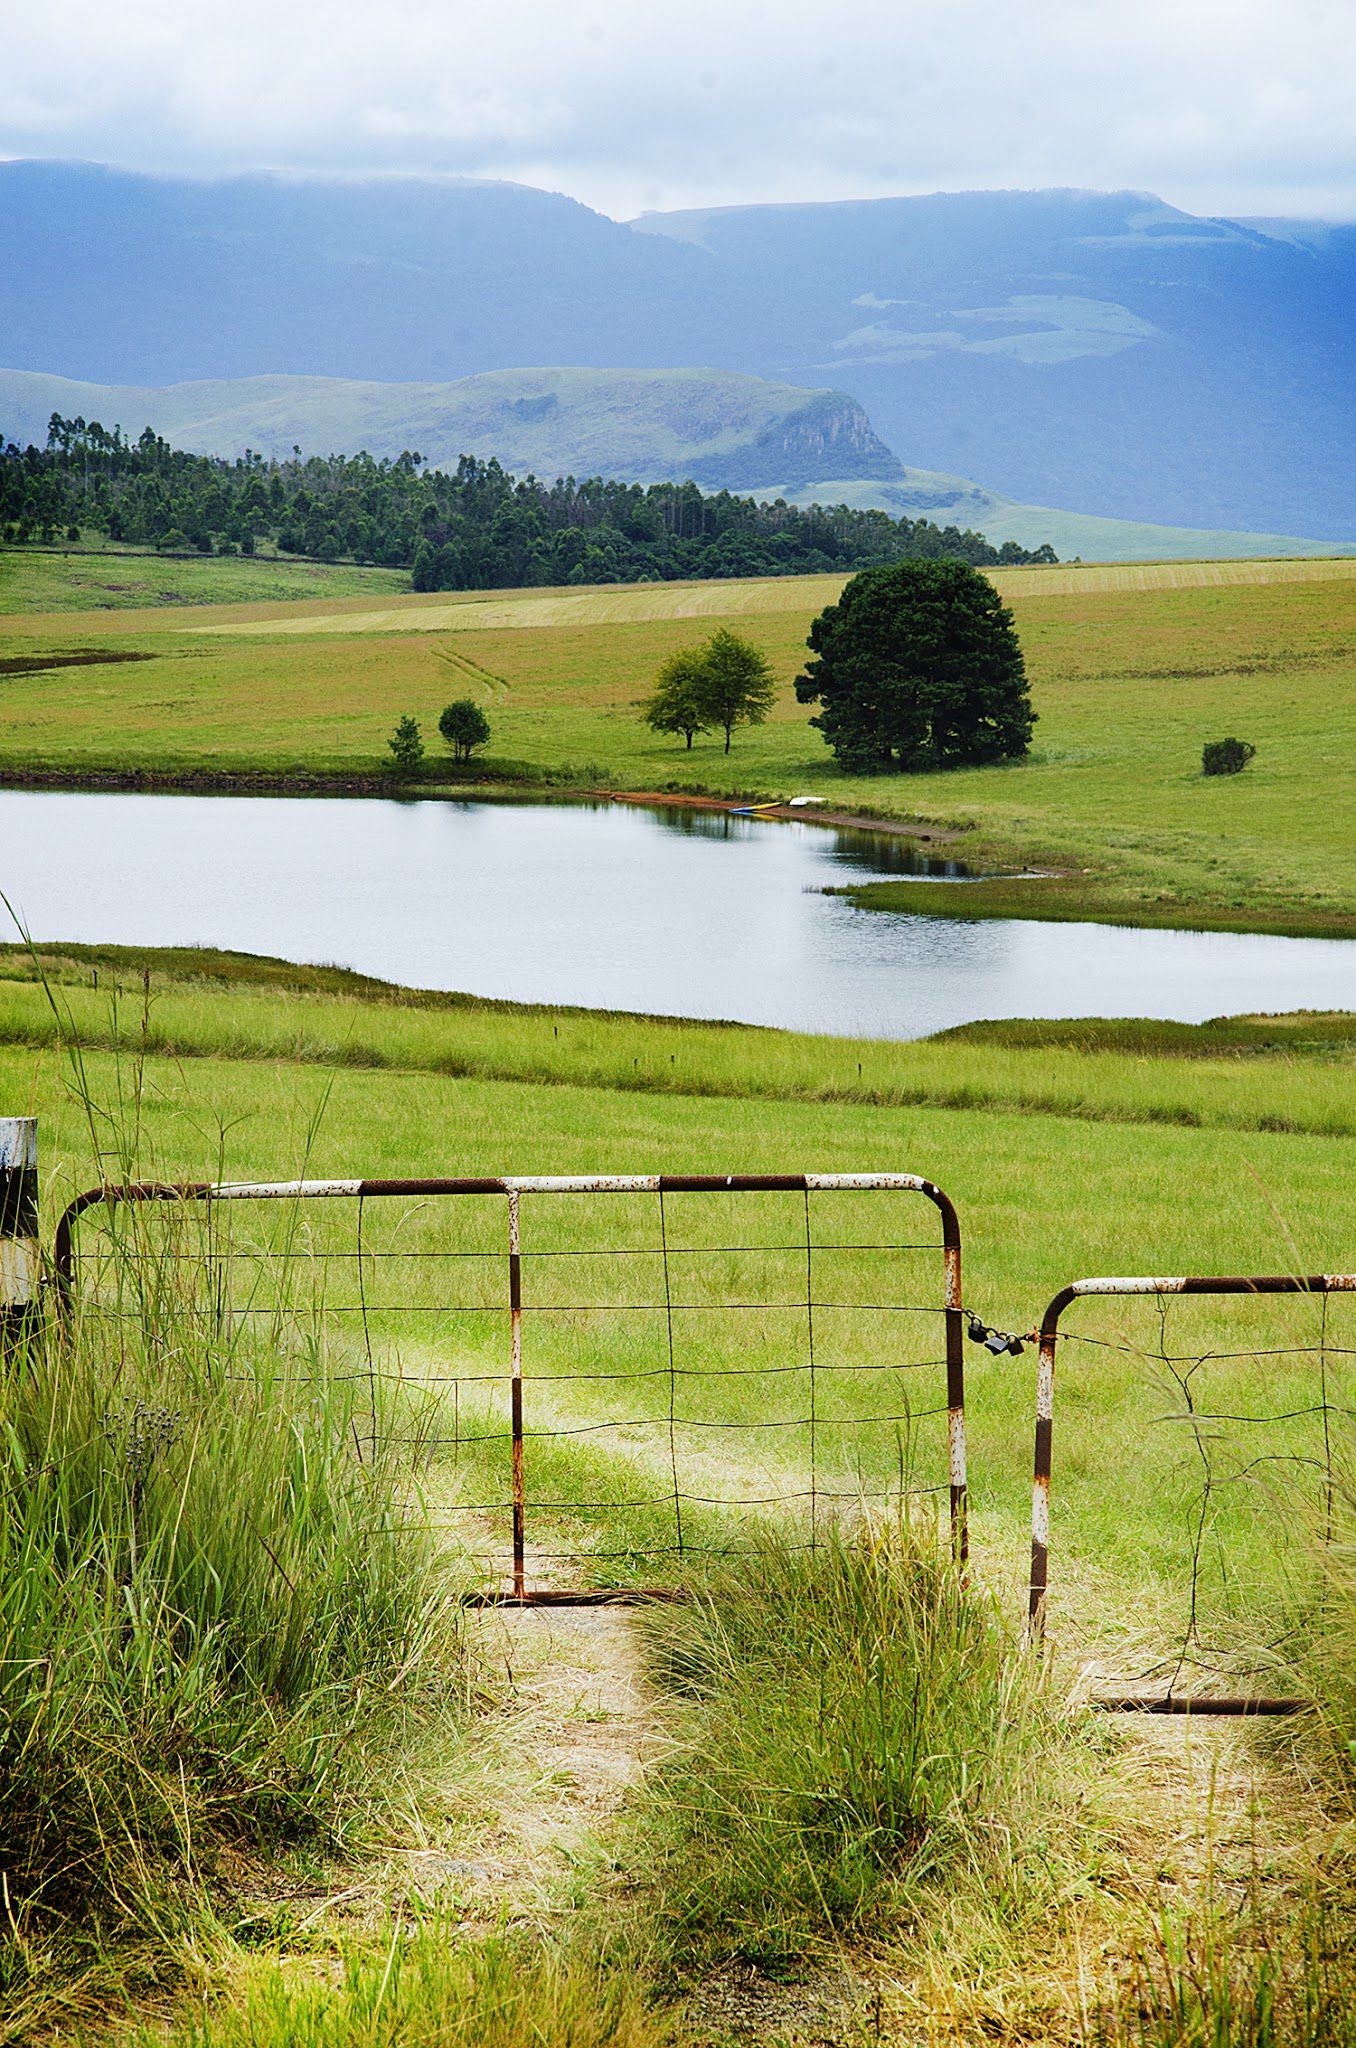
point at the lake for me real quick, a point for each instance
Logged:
(691, 913)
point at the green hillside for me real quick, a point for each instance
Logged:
(644, 425)
(721, 430)
(952, 500)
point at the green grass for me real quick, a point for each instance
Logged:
(1131, 672)
(221, 1627)
(324, 1017)
(425, 1987)
(118, 579)
(1062, 1162)
(1308, 1032)
(862, 1730)
(220, 1633)
(859, 1746)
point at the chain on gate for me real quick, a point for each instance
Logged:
(1247, 1457)
(614, 1372)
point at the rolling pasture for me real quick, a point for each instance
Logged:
(645, 1379)
(674, 1434)
(1132, 670)
(116, 580)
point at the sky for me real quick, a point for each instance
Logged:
(1219, 106)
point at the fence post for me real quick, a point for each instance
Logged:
(19, 1256)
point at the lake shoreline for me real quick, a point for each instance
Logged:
(632, 906)
(1062, 898)
(498, 788)
(1052, 895)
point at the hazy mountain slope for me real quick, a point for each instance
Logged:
(135, 279)
(952, 501)
(1084, 349)
(1097, 351)
(715, 427)
(772, 440)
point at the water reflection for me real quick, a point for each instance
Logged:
(690, 913)
(881, 853)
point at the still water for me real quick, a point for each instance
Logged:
(691, 913)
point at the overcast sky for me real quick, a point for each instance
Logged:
(1220, 106)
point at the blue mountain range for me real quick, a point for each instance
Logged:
(1102, 352)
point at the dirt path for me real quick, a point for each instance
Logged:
(506, 1822)
(577, 1731)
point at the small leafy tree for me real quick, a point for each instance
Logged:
(737, 688)
(723, 683)
(676, 703)
(1225, 757)
(407, 748)
(464, 725)
(918, 666)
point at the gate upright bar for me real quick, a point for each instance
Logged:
(1319, 1283)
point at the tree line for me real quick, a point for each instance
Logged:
(477, 527)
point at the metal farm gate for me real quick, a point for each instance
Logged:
(1252, 1443)
(594, 1376)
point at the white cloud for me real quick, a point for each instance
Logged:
(1220, 105)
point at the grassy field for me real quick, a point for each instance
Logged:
(1132, 670)
(817, 1803)
(116, 579)
(1063, 1161)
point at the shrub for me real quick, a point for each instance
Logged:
(464, 726)
(1225, 757)
(407, 748)
(864, 1721)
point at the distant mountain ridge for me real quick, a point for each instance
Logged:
(720, 429)
(1079, 348)
(1100, 352)
(716, 429)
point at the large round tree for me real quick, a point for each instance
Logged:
(918, 666)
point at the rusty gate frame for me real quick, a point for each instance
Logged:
(512, 1187)
(1271, 1283)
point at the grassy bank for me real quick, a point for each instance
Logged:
(113, 579)
(1265, 1074)
(817, 1800)
(1073, 899)
(1132, 670)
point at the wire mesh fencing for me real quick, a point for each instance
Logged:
(1225, 1449)
(590, 1379)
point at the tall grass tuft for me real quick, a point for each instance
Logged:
(860, 1724)
(211, 1614)
(1221, 1977)
(423, 1990)
(1329, 1639)
(220, 1609)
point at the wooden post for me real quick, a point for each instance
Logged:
(19, 1255)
